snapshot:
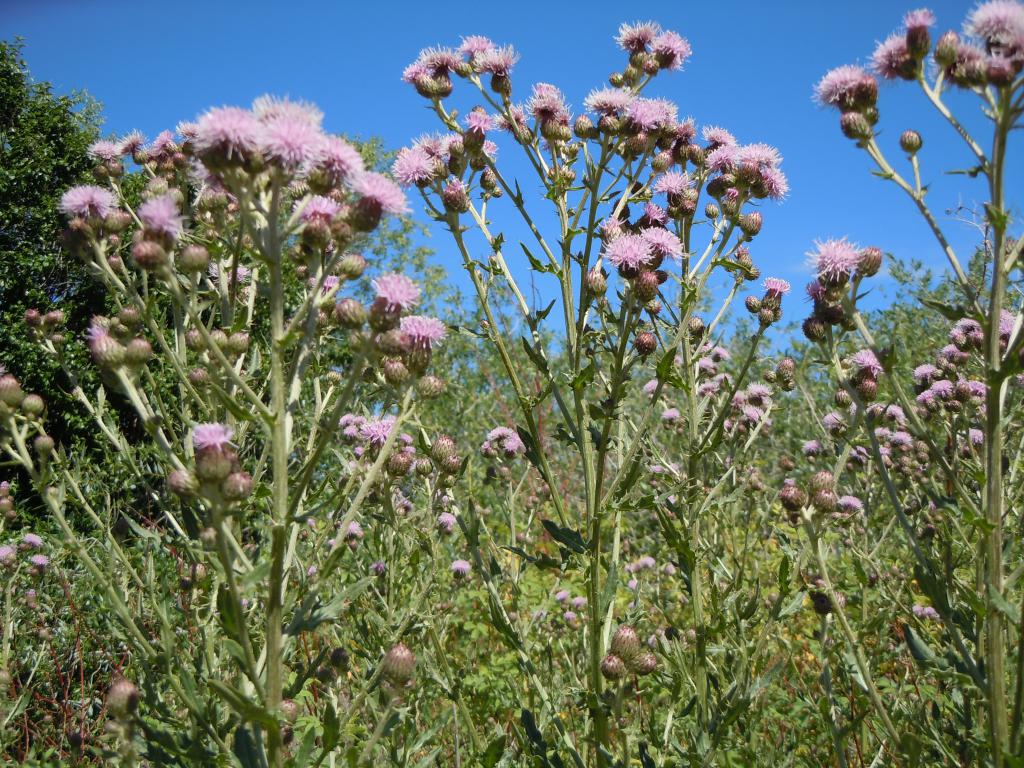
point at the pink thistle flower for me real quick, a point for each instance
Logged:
(833, 422)
(976, 436)
(290, 140)
(866, 363)
(610, 229)
(32, 540)
(717, 137)
(380, 190)
(815, 291)
(338, 159)
(925, 612)
(474, 45)
(774, 183)
(655, 214)
(650, 386)
(720, 353)
(132, 143)
(423, 332)
(490, 149)
(630, 251)
(514, 122)
(40, 562)
(836, 259)
(662, 242)
(88, 201)
(229, 132)
(850, 504)
(212, 437)
(105, 150)
(671, 49)
(943, 389)
(846, 87)
(609, 101)
(479, 122)
(670, 414)
(320, 208)
(759, 156)
(776, 287)
(413, 166)
(446, 522)
(811, 448)
(186, 129)
(497, 61)
(7, 554)
(377, 432)
(920, 18)
(547, 104)
(637, 36)
(892, 59)
(901, 439)
(723, 158)
(461, 569)
(651, 114)
(270, 108)
(673, 183)
(398, 292)
(161, 215)
(998, 21)
(163, 143)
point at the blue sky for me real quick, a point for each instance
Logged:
(752, 71)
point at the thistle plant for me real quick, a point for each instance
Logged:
(632, 220)
(944, 459)
(281, 472)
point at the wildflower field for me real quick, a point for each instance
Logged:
(279, 491)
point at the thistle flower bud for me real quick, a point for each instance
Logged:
(644, 664)
(443, 449)
(612, 667)
(183, 483)
(855, 126)
(867, 389)
(946, 49)
(584, 128)
(910, 142)
(393, 342)
(430, 386)
(44, 445)
(399, 664)
(793, 498)
(753, 304)
(870, 261)
(149, 255)
(395, 371)
(424, 467)
(786, 368)
(625, 642)
(825, 501)
(455, 197)
(822, 480)
(696, 328)
(815, 329)
(123, 698)
(199, 377)
(399, 463)
(237, 486)
(645, 285)
(711, 211)
(137, 352)
(597, 281)
(289, 710)
(117, 221)
(750, 223)
(352, 266)
(768, 315)
(349, 313)
(645, 343)
(193, 259)
(33, 405)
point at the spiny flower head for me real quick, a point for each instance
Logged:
(161, 215)
(671, 50)
(380, 190)
(412, 166)
(920, 18)
(212, 437)
(847, 87)
(547, 104)
(866, 363)
(320, 208)
(88, 201)
(496, 61)
(759, 156)
(338, 159)
(998, 21)
(398, 292)
(776, 287)
(892, 59)
(377, 432)
(835, 260)
(132, 143)
(651, 114)
(104, 150)
(474, 45)
(662, 242)
(609, 101)
(630, 251)
(672, 183)
(229, 133)
(290, 139)
(423, 332)
(268, 108)
(717, 137)
(637, 36)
